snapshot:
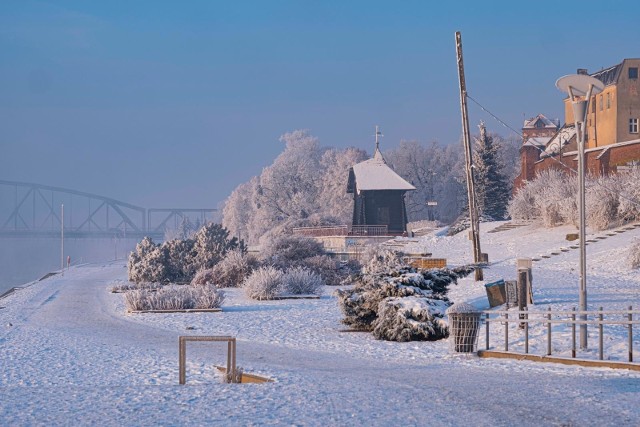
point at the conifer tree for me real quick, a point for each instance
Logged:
(492, 187)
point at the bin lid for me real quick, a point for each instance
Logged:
(462, 307)
(496, 283)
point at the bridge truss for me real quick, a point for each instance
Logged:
(31, 210)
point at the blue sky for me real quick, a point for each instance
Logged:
(167, 104)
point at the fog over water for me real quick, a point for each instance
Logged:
(23, 260)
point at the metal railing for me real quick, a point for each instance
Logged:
(527, 320)
(331, 230)
(343, 230)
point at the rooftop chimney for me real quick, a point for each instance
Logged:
(583, 71)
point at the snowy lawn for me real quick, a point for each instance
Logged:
(70, 354)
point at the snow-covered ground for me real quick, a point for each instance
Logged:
(70, 355)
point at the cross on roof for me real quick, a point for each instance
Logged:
(378, 134)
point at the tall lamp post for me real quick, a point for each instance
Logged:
(580, 87)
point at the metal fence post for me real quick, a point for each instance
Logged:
(506, 332)
(526, 331)
(630, 317)
(487, 331)
(573, 332)
(549, 333)
(600, 332)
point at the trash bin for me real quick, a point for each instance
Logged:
(496, 293)
(464, 326)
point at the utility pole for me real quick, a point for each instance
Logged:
(62, 238)
(466, 139)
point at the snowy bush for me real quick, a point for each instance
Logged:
(332, 271)
(204, 276)
(629, 199)
(212, 242)
(361, 304)
(411, 319)
(148, 263)
(231, 271)
(553, 198)
(377, 258)
(263, 283)
(521, 206)
(180, 260)
(174, 297)
(122, 286)
(602, 203)
(633, 257)
(285, 250)
(301, 281)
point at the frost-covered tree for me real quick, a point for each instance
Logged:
(492, 187)
(305, 185)
(332, 198)
(288, 188)
(184, 231)
(211, 244)
(239, 209)
(180, 258)
(433, 169)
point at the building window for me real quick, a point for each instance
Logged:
(633, 72)
(593, 104)
(633, 125)
(601, 102)
(539, 124)
(608, 101)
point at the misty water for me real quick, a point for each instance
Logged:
(23, 260)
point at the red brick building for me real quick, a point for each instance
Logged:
(612, 139)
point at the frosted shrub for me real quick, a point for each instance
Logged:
(232, 270)
(122, 286)
(301, 281)
(551, 198)
(411, 319)
(629, 200)
(377, 259)
(633, 256)
(212, 242)
(207, 296)
(427, 288)
(286, 250)
(175, 297)
(148, 263)
(204, 277)
(331, 270)
(180, 260)
(551, 188)
(568, 200)
(602, 204)
(264, 283)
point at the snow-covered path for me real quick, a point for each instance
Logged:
(71, 356)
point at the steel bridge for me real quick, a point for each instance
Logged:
(35, 210)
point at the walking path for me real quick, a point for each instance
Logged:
(71, 356)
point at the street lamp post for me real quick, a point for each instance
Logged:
(580, 87)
